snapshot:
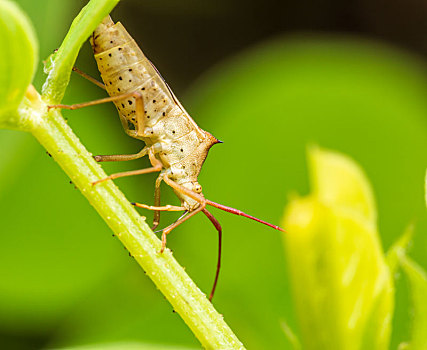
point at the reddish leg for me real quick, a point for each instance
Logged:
(88, 77)
(156, 166)
(218, 227)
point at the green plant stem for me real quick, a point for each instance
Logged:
(53, 133)
(60, 64)
(188, 301)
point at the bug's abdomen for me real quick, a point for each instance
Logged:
(124, 69)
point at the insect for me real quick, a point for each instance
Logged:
(149, 111)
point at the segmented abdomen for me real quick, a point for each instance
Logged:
(124, 68)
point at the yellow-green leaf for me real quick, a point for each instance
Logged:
(337, 180)
(342, 287)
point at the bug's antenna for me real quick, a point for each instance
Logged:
(241, 213)
(217, 225)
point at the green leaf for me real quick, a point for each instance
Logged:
(19, 48)
(418, 282)
(342, 288)
(60, 64)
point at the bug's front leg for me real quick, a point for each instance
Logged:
(197, 197)
(156, 217)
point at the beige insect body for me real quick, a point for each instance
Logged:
(179, 143)
(176, 146)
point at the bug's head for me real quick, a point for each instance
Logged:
(186, 201)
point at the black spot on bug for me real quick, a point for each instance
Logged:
(143, 89)
(130, 102)
(111, 41)
(120, 78)
(148, 117)
(130, 69)
(164, 113)
(130, 80)
(118, 89)
(131, 126)
(48, 154)
(154, 101)
(109, 54)
(173, 131)
(120, 48)
(152, 132)
(110, 83)
(181, 150)
(100, 58)
(123, 105)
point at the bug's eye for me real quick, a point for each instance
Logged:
(197, 188)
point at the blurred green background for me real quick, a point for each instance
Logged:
(267, 79)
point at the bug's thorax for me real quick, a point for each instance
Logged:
(187, 202)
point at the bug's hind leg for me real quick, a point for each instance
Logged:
(138, 100)
(156, 166)
(139, 111)
(88, 77)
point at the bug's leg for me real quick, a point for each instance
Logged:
(156, 217)
(156, 166)
(136, 95)
(155, 208)
(189, 193)
(121, 157)
(88, 77)
(218, 227)
(168, 229)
